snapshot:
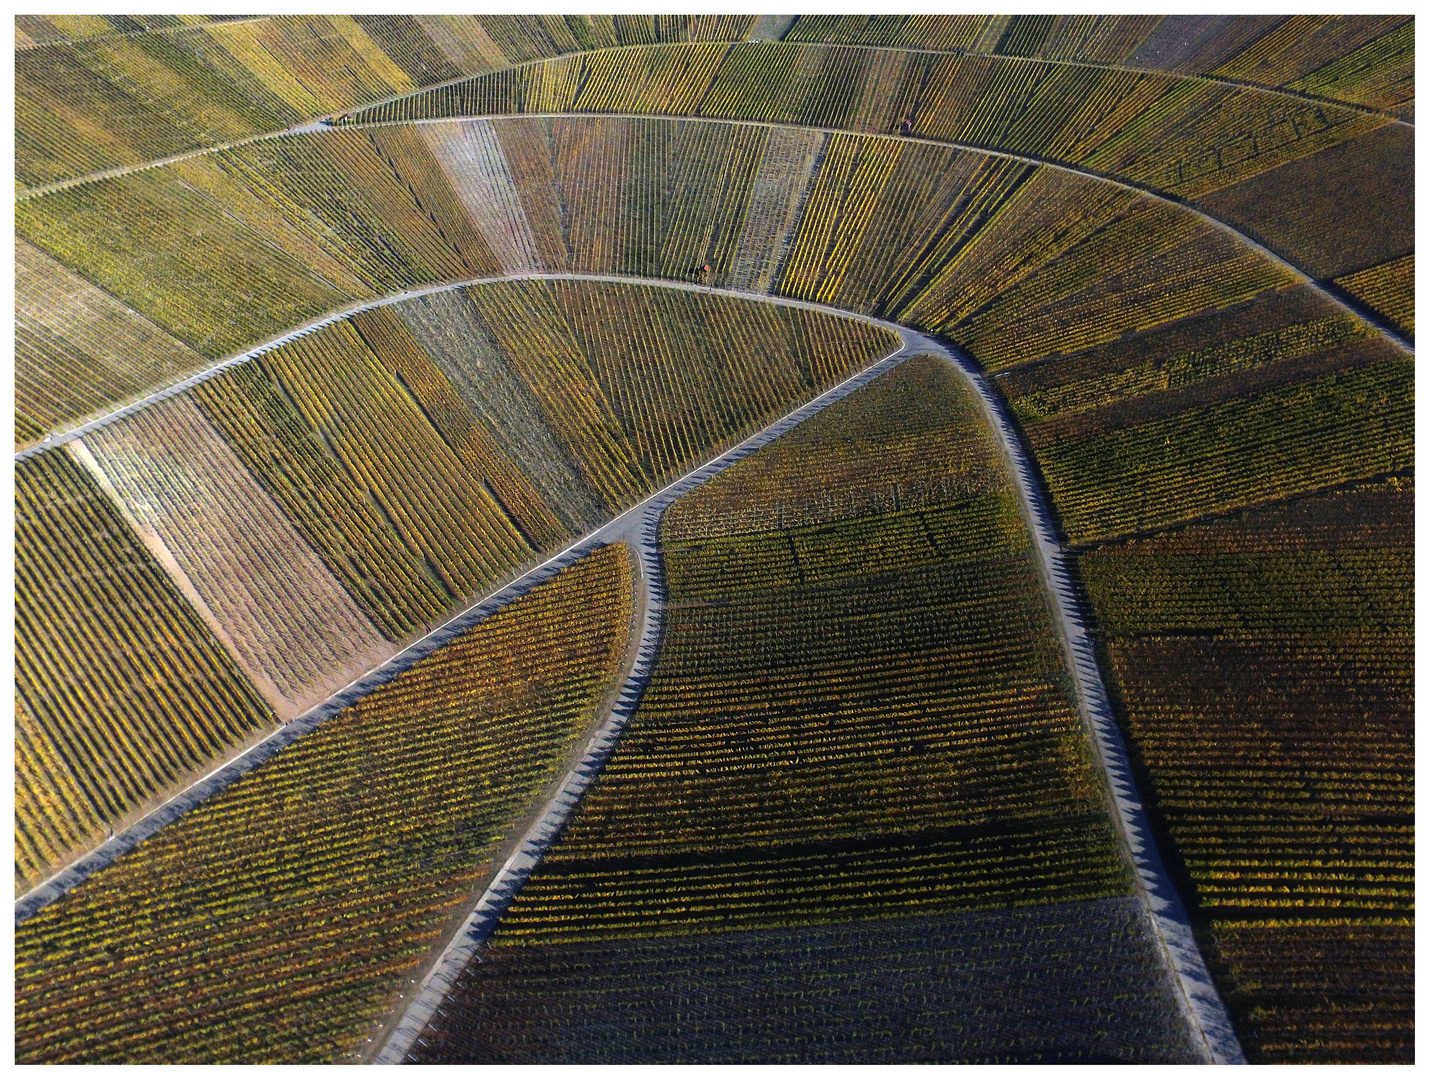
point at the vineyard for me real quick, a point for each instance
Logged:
(782, 772)
(320, 505)
(1365, 60)
(1318, 182)
(335, 334)
(1011, 261)
(1264, 662)
(91, 94)
(121, 689)
(282, 918)
(1262, 402)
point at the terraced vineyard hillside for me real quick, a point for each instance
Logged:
(859, 723)
(304, 515)
(417, 660)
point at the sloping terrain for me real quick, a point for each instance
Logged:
(291, 400)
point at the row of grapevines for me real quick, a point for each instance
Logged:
(174, 256)
(113, 98)
(1056, 393)
(122, 690)
(376, 427)
(641, 383)
(908, 453)
(1380, 74)
(1363, 59)
(278, 921)
(289, 622)
(32, 30)
(1335, 212)
(874, 724)
(1264, 666)
(1052, 982)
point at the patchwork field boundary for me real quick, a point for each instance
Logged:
(1206, 1012)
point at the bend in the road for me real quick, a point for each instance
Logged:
(641, 529)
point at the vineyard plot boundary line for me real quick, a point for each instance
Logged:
(463, 946)
(87, 865)
(1166, 910)
(320, 122)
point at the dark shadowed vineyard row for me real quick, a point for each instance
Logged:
(1264, 665)
(280, 919)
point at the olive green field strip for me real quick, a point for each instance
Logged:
(261, 587)
(283, 917)
(953, 241)
(92, 102)
(640, 529)
(555, 909)
(32, 30)
(110, 104)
